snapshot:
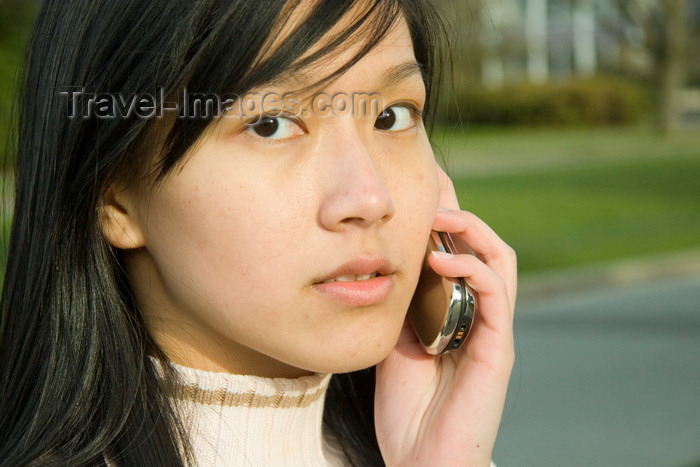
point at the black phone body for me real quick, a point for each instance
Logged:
(442, 308)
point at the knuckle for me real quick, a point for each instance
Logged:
(508, 253)
(501, 285)
(511, 253)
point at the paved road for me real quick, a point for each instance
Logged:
(606, 378)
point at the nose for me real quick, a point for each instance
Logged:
(355, 193)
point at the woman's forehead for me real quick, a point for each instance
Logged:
(389, 61)
(368, 28)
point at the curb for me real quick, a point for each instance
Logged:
(608, 274)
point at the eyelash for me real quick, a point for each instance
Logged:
(276, 118)
(415, 114)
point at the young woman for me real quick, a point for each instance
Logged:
(208, 225)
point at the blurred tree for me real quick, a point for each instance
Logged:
(15, 18)
(666, 37)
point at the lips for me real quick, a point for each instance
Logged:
(359, 269)
(360, 282)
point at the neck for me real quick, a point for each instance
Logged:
(250, 420)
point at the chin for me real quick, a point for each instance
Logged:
(355, 355)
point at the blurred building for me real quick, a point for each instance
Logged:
(544, 40)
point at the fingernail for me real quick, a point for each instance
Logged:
(442, 254)
(440, 208)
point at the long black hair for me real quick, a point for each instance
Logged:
(76, 380)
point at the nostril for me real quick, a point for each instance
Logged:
(352, 220)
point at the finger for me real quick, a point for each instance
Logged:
(489, 289)
(484, 242)
(473, 231)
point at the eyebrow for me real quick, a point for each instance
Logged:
(390, 77)
(398, 73)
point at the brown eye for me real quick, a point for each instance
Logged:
(394, 118)
(275, 128)
(385, 120)
(266, 127)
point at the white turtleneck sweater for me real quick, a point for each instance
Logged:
(239, 421)
(236, 420)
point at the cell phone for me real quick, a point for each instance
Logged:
(442, 309)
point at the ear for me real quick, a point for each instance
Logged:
(119, 222)
(448, 197)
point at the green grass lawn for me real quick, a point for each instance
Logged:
(570, 197)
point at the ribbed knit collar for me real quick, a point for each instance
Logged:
(231, 390)
(238, 420)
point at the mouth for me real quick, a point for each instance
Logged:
(352, 278)
(359, 282)
(362, 268)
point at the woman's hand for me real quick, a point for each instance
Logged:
(446, 410)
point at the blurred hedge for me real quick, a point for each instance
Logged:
(16, 17)
(603, 100)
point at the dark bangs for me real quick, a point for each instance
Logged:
(225, 61)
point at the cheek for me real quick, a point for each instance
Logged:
(415, 191)
(222, 242)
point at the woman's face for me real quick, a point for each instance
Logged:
(293, 246)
